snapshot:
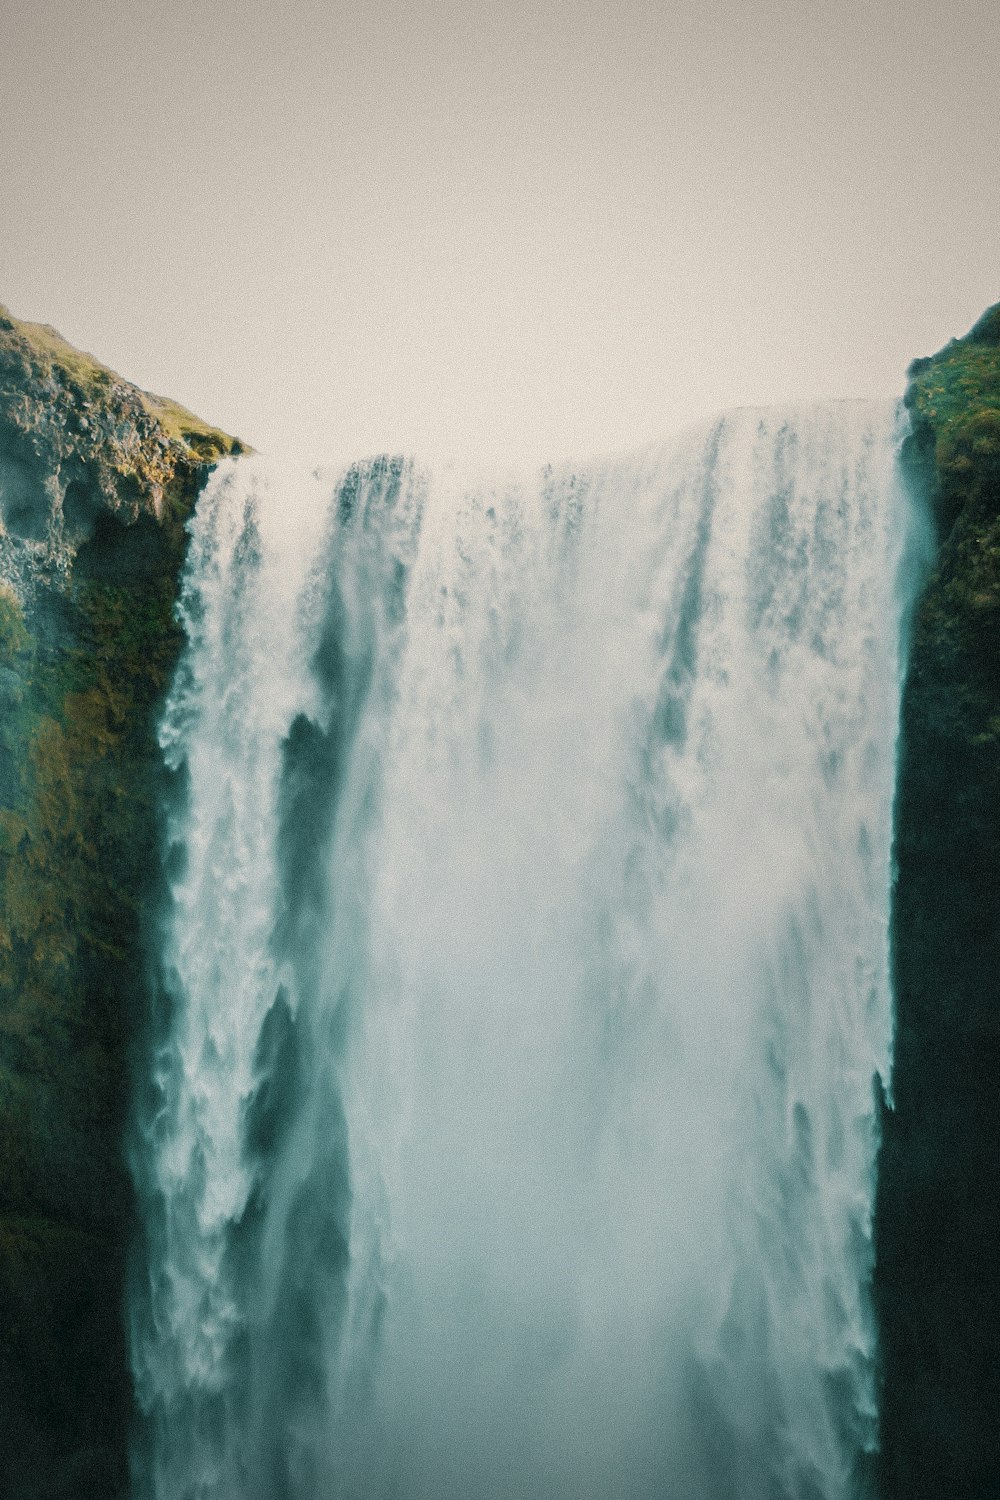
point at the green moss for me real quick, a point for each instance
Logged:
(13, 636)
(207, 443)
(954, 400)
(938, 1212)
(92, 384)
(53, 352)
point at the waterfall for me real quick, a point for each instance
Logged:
(510, 1128)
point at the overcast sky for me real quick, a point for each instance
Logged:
(532, 229)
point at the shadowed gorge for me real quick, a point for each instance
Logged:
(487, 1009)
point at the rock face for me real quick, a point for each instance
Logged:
(938, 1215)
(96, 481)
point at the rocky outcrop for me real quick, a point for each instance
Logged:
(97, 479)
(938, 1213)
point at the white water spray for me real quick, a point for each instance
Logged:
(525, 978)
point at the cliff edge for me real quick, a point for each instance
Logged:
(938, 1211)
(97, 479)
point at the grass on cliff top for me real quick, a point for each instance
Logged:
(955, 399)
(92, 380)
(961, 381)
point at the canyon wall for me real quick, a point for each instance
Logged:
(96, 481)
(938, 1217)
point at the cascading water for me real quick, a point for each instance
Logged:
(511, 1128)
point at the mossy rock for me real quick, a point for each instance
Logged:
(100, 479)
(938, 1211)
(35, 354)
(78, 443)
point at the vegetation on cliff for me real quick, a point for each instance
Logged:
(96, 481)
(938, 1214)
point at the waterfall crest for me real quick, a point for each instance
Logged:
(510, 1127)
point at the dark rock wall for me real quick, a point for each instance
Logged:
(96, 480)
(938, 1212)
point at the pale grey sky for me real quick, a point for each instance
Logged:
(522, 229)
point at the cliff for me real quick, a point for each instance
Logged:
(96, 481)
(938, 1213)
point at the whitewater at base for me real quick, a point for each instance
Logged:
(510, 1125)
